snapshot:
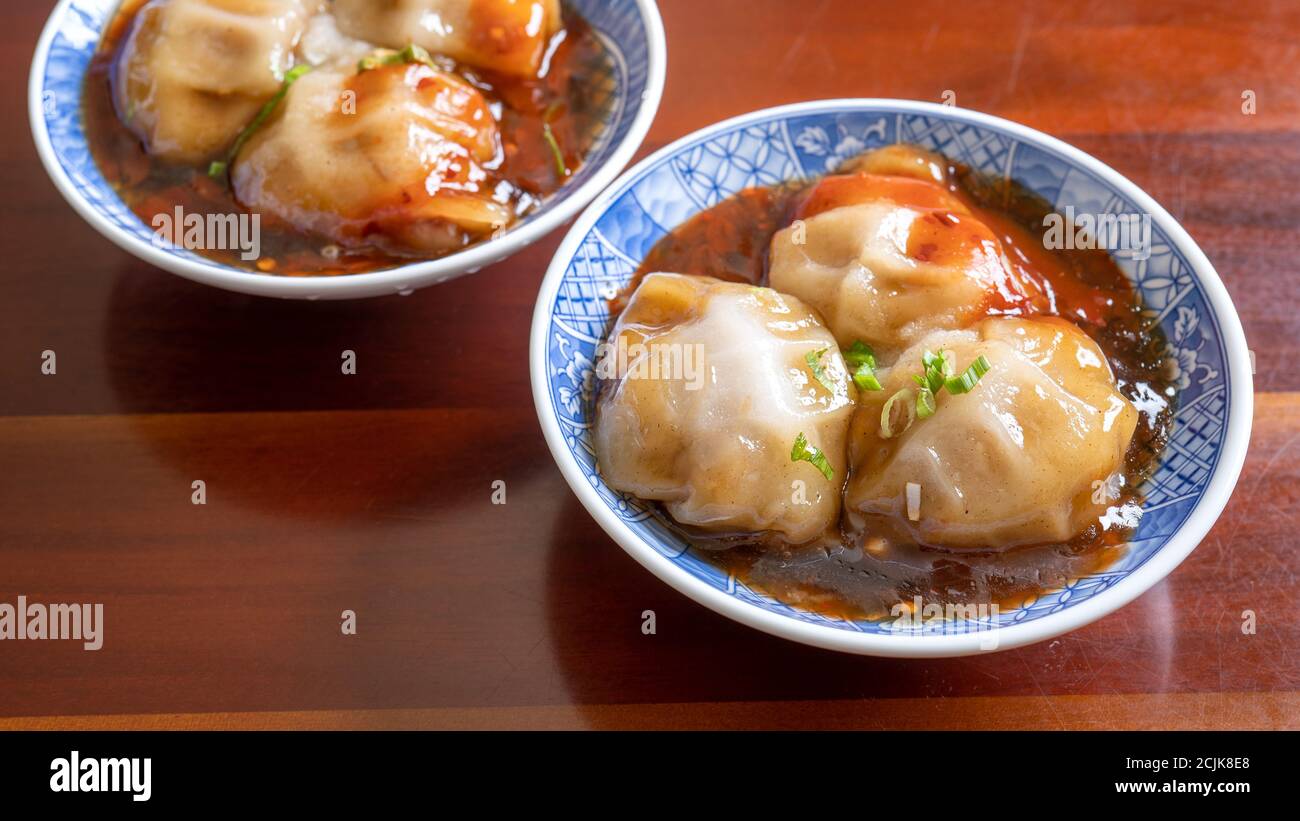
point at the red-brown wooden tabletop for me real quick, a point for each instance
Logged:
(372, 492)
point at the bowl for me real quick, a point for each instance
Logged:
(1188, 490)
(631, 30)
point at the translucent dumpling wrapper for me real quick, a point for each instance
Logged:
(192, 73)
(508, 36)
(1030, 455)
(322, 44)
(886, 258)
(900, 160)
(393, 157)
(713, 439)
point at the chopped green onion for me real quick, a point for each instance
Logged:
(218, 168)
(814, 360)
(925, 407)
(859, 353)
(804, 452)
(865, 378)
(969, 377)
(561, 170)
(887, 429)
(938, 367)
(410, 54)
(939, 375)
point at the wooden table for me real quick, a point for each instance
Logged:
(372, 492)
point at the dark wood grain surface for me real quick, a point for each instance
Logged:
(372, 492)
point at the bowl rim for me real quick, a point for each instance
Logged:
(1182, 542)
(401, 279)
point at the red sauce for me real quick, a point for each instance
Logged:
(730, 241)
(839, 190)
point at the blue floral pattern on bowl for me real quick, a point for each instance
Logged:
(792, 146)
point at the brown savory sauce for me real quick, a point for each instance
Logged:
(529, 171)
(867, 576)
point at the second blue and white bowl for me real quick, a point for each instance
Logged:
(633, 36)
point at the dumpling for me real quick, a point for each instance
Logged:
(322, 44)
(758, 373)
(508, 36)
(1018, 460)
(193, 73)
(886, 259)
(393, 157)
(900, 160)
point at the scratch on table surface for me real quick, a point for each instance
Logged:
(528, 597)
(1272, 462)
(1087, 660)
(1218, 646)
(1033, 676)
(1018, 57)
(1180, 194)
(930, 37)
(508, 662)
(797, 46)
(1213, 546)
(409, 517)
(307, 476)
(536, 644)
(1240, 517)
(1112, 649)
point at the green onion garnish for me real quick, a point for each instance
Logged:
(925, 407)
(969, 377)
(804, 452)
(887, 429)
(862, 360)
(561, 170)
(938, 367)
(859, 353)
(938, 375)
(865, 378)
(814, 360)
(410, 54)
(218, 167)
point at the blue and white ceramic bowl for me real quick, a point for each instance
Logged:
(631, 31)
(1197, 472)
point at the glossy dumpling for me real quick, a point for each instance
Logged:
(322, 44)
(193, 73)
(509, 36)
(391, 158)
(901, 160)
(715, 445)
(1015, 461)
(886, 259)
